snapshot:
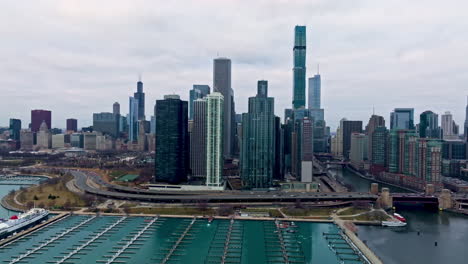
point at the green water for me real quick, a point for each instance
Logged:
(255, 244)
(250, 241)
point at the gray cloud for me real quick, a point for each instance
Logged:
(78, 57)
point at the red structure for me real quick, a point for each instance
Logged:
(37, 116)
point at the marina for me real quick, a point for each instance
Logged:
(135, 239)
(95, 238)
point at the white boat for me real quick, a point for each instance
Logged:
(16, 222)
(393, 223)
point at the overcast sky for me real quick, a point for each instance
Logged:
(79, 57)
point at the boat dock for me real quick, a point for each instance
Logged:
(127, 239)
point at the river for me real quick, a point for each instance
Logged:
(405, 245)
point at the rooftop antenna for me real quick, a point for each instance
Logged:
(318, 69)
(139, 77)
(373, 110)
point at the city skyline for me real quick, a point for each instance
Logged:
(354, 76)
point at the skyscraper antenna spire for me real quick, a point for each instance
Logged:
(318, 68)
(139, 77)
(373, 110)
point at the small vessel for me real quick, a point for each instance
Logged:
(393, 223)
(17, 222)
(210, 219)
(399, 217)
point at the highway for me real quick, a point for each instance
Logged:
(226, 196)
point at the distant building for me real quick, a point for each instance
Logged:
(402, 151)
(106, 123)
(172, 139)
(315, 92)
(89, 141)
(132, 119)
(379, 142)
(448, 126)
(222, 84)
(198, 139)
(359, 150)
(429, 160)
(153, 125)
(466, 122)
(77, 140)
(44, 137)
(72, 125)
(58, 141)
(38, 116)
(349, 127)
(214, 140)
(140, 97)
(299, 68)
(429, 125)
(374, 122)
(116, 108)
(258, 145)
(15, 131)
(402, 118)
(26, 139)
(198, 91)
(307, 149)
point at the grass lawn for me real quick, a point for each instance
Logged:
(352, 211)
(322, 212)
(44, 195)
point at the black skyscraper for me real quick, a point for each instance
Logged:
(140, 96)
(172, 139)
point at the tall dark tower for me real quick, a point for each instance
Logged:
(172, 140)
(140, 96)
(299, 70)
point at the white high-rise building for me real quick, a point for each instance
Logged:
(214, 139)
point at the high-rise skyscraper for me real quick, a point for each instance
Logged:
(402, 118)
(258, 144)
(37, 116)
(429, 125)
(222, 84)
(116, 108)
(347, 128)
(198, 91)
(314, 92)
(374, 122)
(214, 142)
(106, 123)
(140, 97)
(198, 139)
(132, 119)
(307, 149)
(378, 153)
(448, 127)
(172, 139)
(15, 131)
(72, 124)
(358, 154)
(299, 69)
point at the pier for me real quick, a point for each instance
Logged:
(131, 241)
